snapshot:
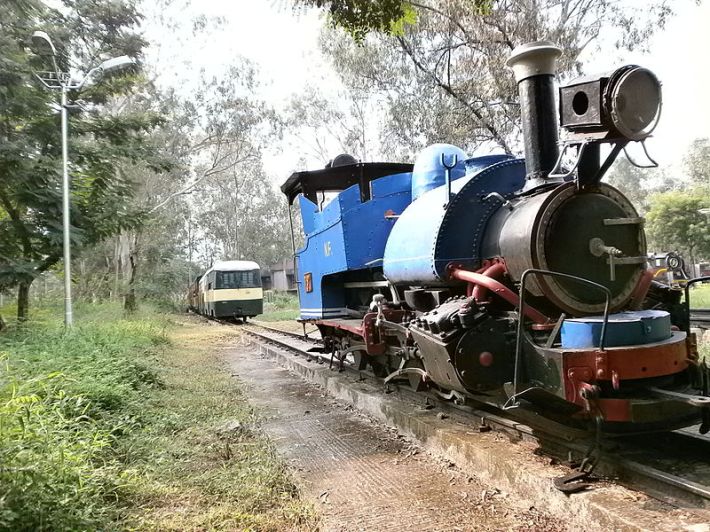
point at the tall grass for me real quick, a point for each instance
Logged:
(132, 423)
(281, 306)
(65, 399)
(700, 296)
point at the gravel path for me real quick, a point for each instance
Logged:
(360, 474)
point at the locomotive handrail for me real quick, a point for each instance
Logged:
(447, 174)
(687, 297)
(521, 319)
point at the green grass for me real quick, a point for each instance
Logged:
(131, 423)
(66, 399)
(700, 296)
(281, 307)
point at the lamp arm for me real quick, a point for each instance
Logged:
(56, 67)
(87, 77)
(42, 81)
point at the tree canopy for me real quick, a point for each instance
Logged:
(675, 223)
(639, 184)
(697, 163)
(678, 219)
(100, 135)
(359, 17)
(443, 77)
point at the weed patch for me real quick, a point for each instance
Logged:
(113, 425)
(65, 399)
(700, 296)
(280, 306)
(203, 463)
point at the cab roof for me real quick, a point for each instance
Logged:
(338, 178)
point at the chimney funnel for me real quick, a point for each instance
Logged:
(534, 66)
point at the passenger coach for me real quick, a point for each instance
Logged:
(231, 289)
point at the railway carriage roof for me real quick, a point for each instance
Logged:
(233, 266)
(339, 178)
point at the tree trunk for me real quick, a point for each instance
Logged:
(693, 273)
(131, 304)
(117, 262)
(23, 300)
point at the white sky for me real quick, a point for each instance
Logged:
(285, 47)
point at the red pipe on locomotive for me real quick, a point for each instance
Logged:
(484, 281)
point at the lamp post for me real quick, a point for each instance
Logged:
(63, 82)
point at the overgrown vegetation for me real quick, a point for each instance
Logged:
(700, 296)
(111, 425)
(104, 136)
(280, 306)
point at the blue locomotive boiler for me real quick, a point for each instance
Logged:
(368, 226)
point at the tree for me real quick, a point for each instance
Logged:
(444, 78)
(675, 223)
(243, 217)
(30, 153)
(639, 184)
(320, 127)
(360, 17)
(216, 140)
(697, 162)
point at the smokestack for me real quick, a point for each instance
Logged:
(534, 67)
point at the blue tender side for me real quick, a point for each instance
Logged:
(346, 235)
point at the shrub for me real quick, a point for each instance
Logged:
(64, 399)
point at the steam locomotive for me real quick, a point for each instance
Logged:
(521, 283)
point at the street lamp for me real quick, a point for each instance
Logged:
(62, 81)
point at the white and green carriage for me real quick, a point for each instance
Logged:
(231, 289)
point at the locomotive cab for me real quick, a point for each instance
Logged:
(339, 267)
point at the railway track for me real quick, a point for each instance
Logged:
(700, 317)
(671, 467)
(313, 336)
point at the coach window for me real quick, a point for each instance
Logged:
(243, 279)
(230, 280)
(250, 279)
(227, 280)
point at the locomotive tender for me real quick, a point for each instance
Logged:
(516, 282)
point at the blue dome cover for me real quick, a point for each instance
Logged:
(432, 232)
(429, 172)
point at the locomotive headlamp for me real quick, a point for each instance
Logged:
(625, 104)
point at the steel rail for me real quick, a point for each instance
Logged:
(700, 317)
(291, 334)
(632, 473)
(700, 490)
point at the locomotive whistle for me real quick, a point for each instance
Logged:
(447, 174)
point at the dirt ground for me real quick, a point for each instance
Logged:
(362, 475)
